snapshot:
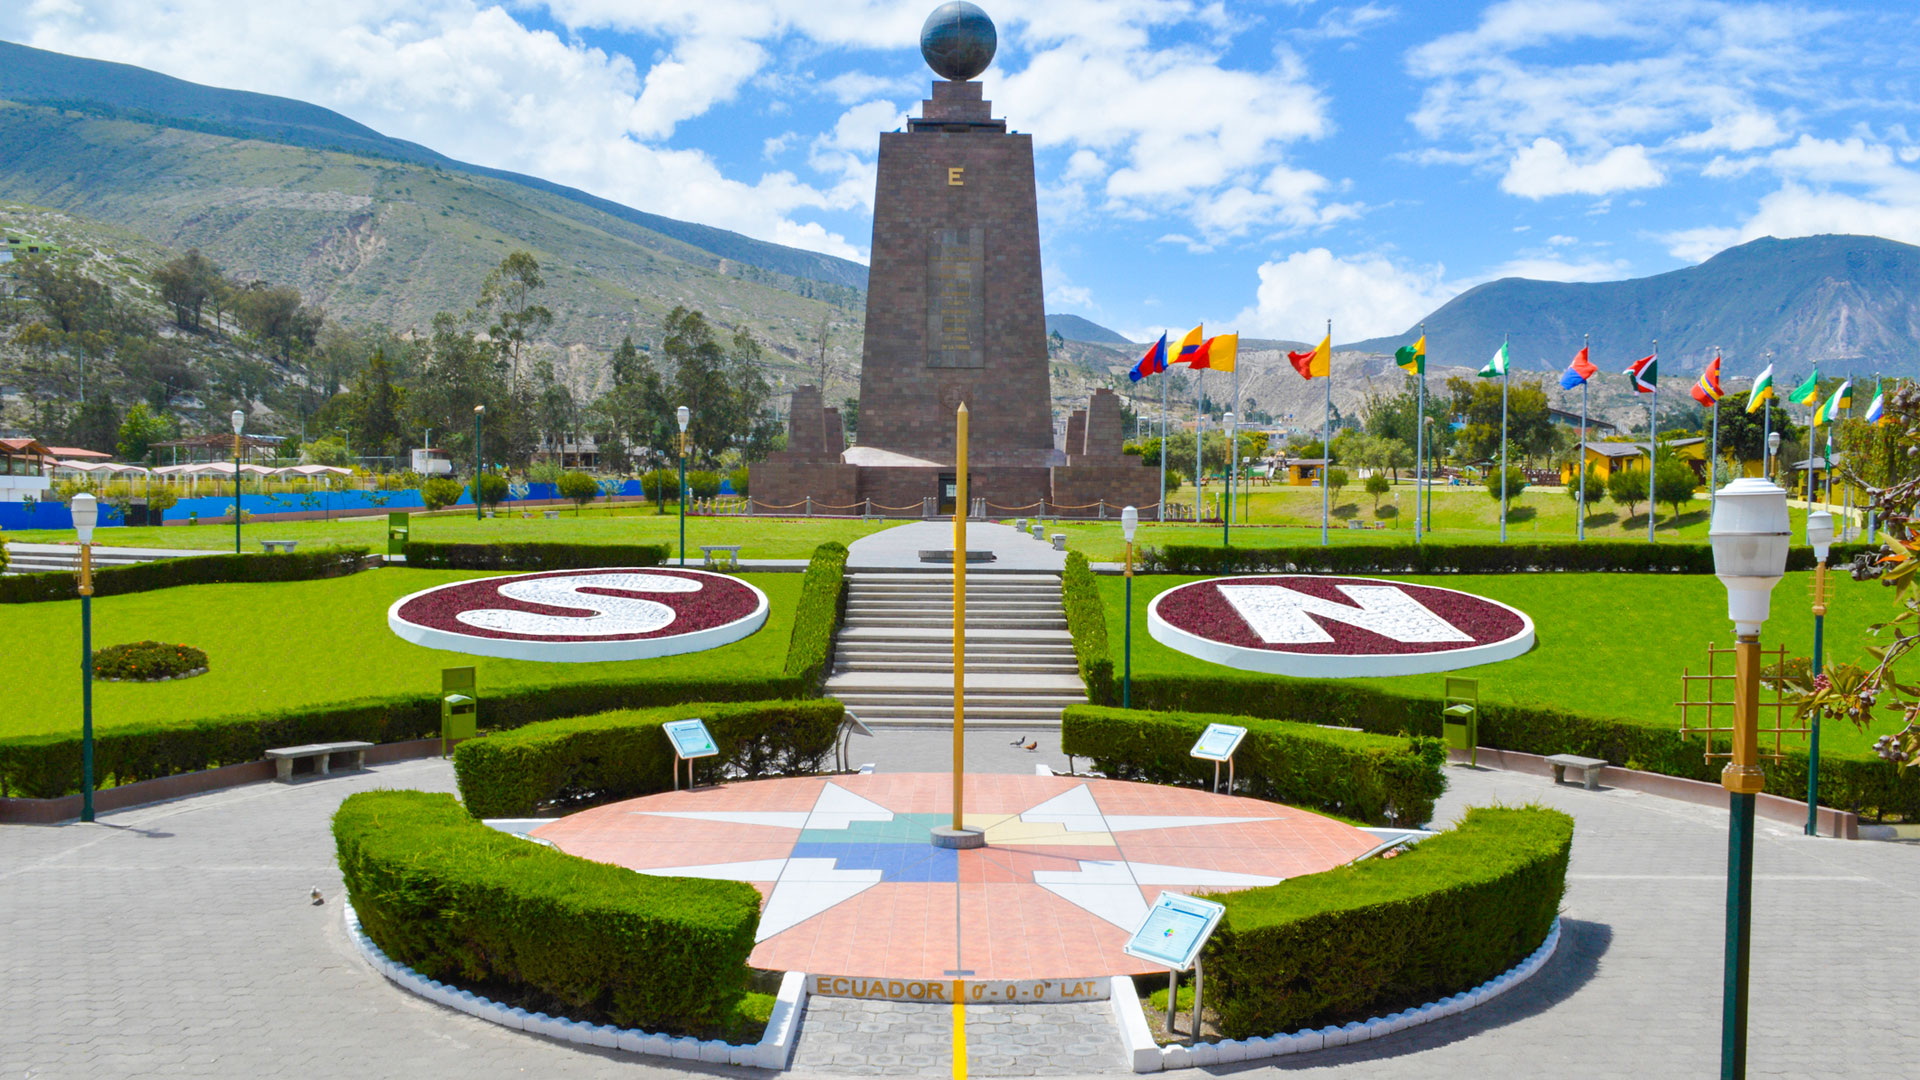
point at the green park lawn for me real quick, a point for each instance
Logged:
(1607, 645)
(272, 647)
(760, 538)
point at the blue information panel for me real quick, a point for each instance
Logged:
(1175, 928)
(690, 739)
(1218, 742)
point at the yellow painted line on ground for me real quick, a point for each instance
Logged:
(959, 1030)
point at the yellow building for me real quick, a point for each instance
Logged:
(1305, 472)
(1607, 458)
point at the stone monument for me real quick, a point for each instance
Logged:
(956, 313)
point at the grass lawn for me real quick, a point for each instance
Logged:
(1607, 645)
(282, 645)
(1287, 517)
(761, 538)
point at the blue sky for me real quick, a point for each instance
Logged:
(1259, 166)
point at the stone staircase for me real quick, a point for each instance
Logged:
(42, 558)
(893, 658)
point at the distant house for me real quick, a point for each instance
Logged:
(1305, 472)
(23, 469)
(1607, 458)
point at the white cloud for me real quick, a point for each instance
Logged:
(1544, 169)
(1366, 296)
(1850, 185)
(1549, 268)
(1560, 240)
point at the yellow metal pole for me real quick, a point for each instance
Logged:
(959, 610)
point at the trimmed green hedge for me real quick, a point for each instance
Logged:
(423, 554)
(454, 899)
(1592, 556)
(817, 615)
(620, 755)
(46, 766)
(1378, 779)
(1086, 621)
(1864, 787)
(199, 570)
(1387, 934)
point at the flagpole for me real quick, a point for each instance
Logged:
(1653, 437)
(1506, 377)
(1233, 439)
(1766, 432)
(1326, 439)
(1586, 341)
(1419, 429)
(1166, 373)
(1813, 439)
(1713, 462)
(1199, 402)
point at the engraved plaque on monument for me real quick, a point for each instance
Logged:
(956, 298)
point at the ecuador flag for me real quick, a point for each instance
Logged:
(1189, 345)
(1316, 363)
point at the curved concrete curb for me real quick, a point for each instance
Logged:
(771, 1052)
(1146, 1056)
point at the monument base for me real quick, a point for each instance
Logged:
(947, 836)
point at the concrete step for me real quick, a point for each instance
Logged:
(858, 608)
(1061, 683)
(974, 667)
(909, 578)
(998, 653)
(933, 714)
(879, 718)
(982, 622)
(943, 635)
(865, 588)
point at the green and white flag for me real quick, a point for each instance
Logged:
(1497, 367)
(1762, 389)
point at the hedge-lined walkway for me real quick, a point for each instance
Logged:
(178, 940)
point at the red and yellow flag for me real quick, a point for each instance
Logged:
(1217, 353)
(1316, 363)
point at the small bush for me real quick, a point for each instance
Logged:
(1377, 779)
(454, 899)
(622, 755)
(579, 488)
(1087, 625)
(530, 556)
(145, 661)
(493, 489)
(1388, 934)
(440, 492)
(201, 570)
(816, 617)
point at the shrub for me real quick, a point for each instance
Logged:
(579, 488)
(1674, 483)
(620, 755)
(531, 556)
(48, 766)
(739, 479)
(1377, 779)
(1628, 487)
(439, 492)
(3, 556)
(144, 661)
(1592, 556)
(455, 899)
(660, 484)
(701, 484)
(816, 617)
(1516, 482)
(1087, 625)
(493, 489)
(545, 472)
(1378, 485)
(1387, 934)
(200, 570)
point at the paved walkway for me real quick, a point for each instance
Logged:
(888, 1038)
(899, 548)
(178, 940)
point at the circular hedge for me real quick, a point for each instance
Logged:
(148, 661)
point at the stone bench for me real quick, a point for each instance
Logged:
(270, 546)
(1589, 768)
(721, 556)
(322, 755)
(553, 515)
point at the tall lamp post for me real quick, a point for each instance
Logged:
(479, 467)
(239, 423)
(1226, 517)
(86, 512)
(1773, 450)
(1820, 536)
(1749, 534)
(1129, 521)
(683, 414)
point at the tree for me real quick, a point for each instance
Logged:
(493, 489)
(1674, 483)
(95, 425)
(1336, 479)
(580, 488)
(437, 492)
(187, 284)
(1596, 488)
(1628, 487)
(139, 431)
(376, 409)
(1516, 482)
(1378, 485)
(277, 317)
(1529, 424)
(508, 293)
(331, 450)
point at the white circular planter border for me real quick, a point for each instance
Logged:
(1335, 665)
(581, 652)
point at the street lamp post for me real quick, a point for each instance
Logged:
(1226, 516)
(1749, 534)
(239, 423)
(1773, 449)
(479, 469)
(683, 414)
(86, 512)
(1820, 536)
(1129, 521)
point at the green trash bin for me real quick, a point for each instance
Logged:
(459, 719)
(1460, 717)
(397, 531)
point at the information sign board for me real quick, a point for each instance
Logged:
(1174, 929)
(1218, 742)
(690, 739)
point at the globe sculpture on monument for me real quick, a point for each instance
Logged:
(955, 313)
